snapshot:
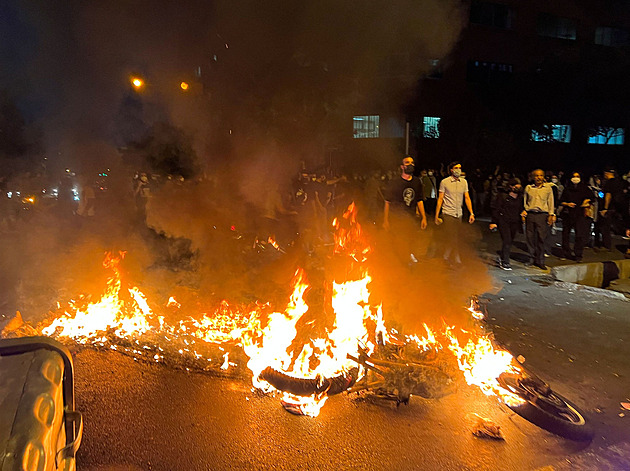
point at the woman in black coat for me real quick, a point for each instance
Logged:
(506, 215)
(576, 202)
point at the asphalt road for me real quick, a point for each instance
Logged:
(149, 416)
(142, 416)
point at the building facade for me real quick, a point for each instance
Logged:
(528, 84)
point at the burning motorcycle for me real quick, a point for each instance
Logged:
(397, 370)
(329, 338)
(546, 408)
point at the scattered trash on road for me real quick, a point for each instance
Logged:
(485, 428)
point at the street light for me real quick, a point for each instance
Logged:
(137, 82)
(184, 86)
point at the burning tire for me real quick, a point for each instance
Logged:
(546, 408)
(309, 387)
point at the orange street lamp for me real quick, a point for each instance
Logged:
(137, 82)
(184, 86)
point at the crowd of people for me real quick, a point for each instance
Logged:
(593, 209)
(536, 204)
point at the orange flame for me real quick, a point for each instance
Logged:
(276, 339)
(482, 364)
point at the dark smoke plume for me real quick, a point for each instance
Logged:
(272, 84)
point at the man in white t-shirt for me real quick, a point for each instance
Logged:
(453, 194)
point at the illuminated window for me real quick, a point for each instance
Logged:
(552, 133)
(606, 135)
(555, 27)
(366, 126)
(431, 127)
(482, 71)
(491, 14)
(611, 36)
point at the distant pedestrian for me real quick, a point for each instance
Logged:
(595, 183)
(552, 181)
(372, 196)
(612, 209)
(429, 186)
(87, 199)
(506, 215)
(576, 203)
(539, 214)
(142, 194)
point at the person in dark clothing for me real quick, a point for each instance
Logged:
(405, 195)
(506, 215)
(613, 205)
(404, 202)
(577, 199)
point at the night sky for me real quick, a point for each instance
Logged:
(67, 64)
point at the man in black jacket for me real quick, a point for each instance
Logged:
(506, 215)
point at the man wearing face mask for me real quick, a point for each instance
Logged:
(452, 196)
(506, 215)
(403, 204)
(576, 199)
(405, 196)
(539, 213)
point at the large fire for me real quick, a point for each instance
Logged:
(282, 340)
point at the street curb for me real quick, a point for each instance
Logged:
(567, 276)
(591, 289)
(596, 274)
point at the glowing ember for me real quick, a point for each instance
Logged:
(475, 309)
(273, 243)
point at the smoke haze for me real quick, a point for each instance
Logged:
(271, 84)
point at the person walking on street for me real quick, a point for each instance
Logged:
(453, 194)
(594, 185)
(556, 188)
(612, 206)
(576, 203)
(403, 204)
(539, 215)
(506, 215)
(405, 195)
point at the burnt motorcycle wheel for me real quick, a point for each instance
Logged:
(548, 410)
(308, 387)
